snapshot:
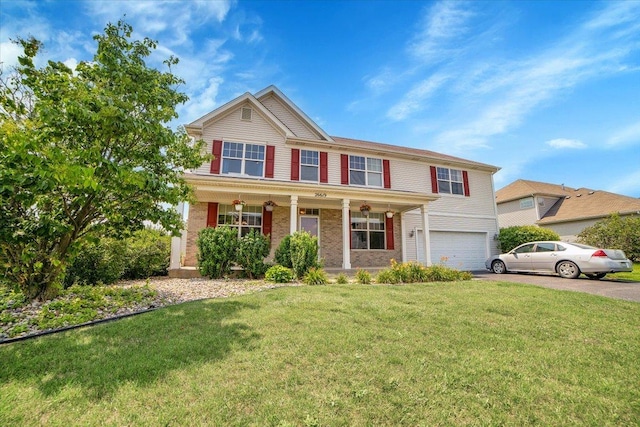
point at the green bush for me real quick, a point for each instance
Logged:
(442, 273)
(342, 279)
(615, 232)
(363, 277)
(406, 272)
(279, 274)
(315, 276)
(97, 262)
(282, 255)
(148, 252)
(253, 248)
(512, 237)
(217, 249)
(304, 253)
(386, 276)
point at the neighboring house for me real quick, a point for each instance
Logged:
(266, 149)
(565, 210)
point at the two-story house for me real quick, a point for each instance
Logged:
(563, 209)
(366, 202)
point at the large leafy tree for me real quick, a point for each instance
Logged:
(86, 152)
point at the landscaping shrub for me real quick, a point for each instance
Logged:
(282, 255)
(442, 273)
(615, 232)
(511, 237)
(279, 274)
(315, 276)
(97, 262)
(148, 251)
(217, 249)
(342, 279)
(253, 248)
(386, 276)
(363, 277)
(304, 253)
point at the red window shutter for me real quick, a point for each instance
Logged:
(386, 173)
(212, 215)
(434, 180)
(465, 179)
(267, 217)
(217, 157)
(324, 173)
(295, 164)
(271, 153)
(388, 227)
(344, 170)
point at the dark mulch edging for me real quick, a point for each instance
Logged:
(71, 327)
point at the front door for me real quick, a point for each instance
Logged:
(311, 224)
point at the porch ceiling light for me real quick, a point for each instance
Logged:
(389, 214)
(365, 209)
(269, 205)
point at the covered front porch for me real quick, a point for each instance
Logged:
(349, 237)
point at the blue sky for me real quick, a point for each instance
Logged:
(547, 91)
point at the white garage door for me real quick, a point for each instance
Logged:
(463, 251)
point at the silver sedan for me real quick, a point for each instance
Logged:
(566, 259)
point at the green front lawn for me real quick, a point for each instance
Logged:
(462, 353)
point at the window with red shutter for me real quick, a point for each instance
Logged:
(268, 172)
(212, 215)
(295, 164)
(217, 157)
(324, 171)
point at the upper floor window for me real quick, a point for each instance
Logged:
(450, 181)
(309, 165)
(365, 171)
(367, 232)
(526, 203)
(243, 159)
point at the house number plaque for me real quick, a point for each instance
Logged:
(321, 194)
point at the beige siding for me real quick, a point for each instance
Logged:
(286, 116)
(481, 201)
(410, 176)
(510, 214)
(259, 130)
(569, 231)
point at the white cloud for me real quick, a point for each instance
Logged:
(566, 143)
(415, 99)
(629, 135)
(443, 23)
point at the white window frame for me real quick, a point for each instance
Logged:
(369, 172)
(446, 176)
(249, 216)
(368, 229)
(310, 164)
(243, 159)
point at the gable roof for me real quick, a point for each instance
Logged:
(573, 203)
(196, 126)
(274, 91)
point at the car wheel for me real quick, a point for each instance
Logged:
(596, 276)
(568, 270)
(498, 267)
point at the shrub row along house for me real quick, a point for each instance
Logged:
(276, 170)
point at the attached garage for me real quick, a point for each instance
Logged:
(462, 250)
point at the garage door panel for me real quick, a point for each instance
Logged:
(460, 250)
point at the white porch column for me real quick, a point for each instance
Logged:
(425, 234)
(346, 236)
(293, 221)
(176, 243)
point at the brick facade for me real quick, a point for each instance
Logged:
(330, 238)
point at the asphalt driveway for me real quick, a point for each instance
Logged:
(606, 287)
